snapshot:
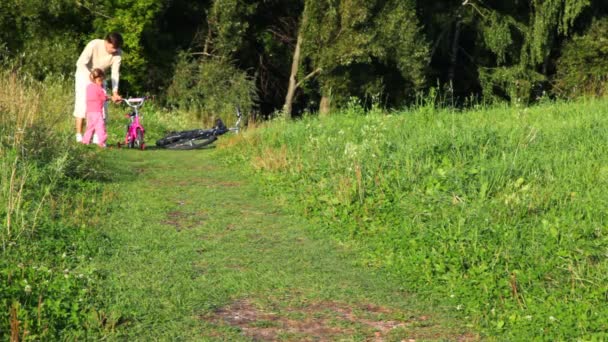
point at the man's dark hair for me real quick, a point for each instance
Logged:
(115, 39)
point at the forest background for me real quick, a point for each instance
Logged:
(314, 56)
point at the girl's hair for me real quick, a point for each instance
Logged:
(115, 39)
(97, 73)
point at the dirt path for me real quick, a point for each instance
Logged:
(198, 253)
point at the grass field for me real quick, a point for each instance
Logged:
(426, 224)
(196, 253)
(498, 213)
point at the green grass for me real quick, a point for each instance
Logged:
(428, 224)
(497, 213)
(190, 237)
(46, 240)
(163, 245)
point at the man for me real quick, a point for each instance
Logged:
(99, 53)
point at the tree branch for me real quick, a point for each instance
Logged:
(312, 74)
(202, 53)
(79, 3)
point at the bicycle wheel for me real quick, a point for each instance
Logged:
(174, 137)
(129, 141)
(139, 139)
(191, 144)
(170, 139)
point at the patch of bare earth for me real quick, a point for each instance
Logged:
(330, 321)
(198, 181)
(181, 220)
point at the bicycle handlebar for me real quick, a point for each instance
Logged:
(135, 102)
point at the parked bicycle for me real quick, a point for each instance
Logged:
(198, 138)
(134, 137)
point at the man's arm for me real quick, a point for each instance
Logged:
(116, 78)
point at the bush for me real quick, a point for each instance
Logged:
(583, 67)
(211, 87)
(52, 55)
(516, 84)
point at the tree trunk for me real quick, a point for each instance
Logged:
(291, 90)
(454, 56)
(208, 39)
(324, 106)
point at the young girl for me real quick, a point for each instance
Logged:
(96, 97)
(99, 53)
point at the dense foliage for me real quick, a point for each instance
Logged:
(583, 67)
(383, 50)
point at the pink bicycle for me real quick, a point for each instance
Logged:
(135, 130)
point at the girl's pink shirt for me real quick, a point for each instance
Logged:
(96, 97)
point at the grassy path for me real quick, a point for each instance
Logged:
(194, 252)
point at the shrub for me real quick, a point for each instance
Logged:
(212, 87)
(583, 67)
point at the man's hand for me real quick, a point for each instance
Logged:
(115, 97)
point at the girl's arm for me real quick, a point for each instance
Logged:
(102, 95)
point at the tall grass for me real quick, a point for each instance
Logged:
(43, 237)
(498, 212)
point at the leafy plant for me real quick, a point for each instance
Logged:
(583, 66)
(211, 87)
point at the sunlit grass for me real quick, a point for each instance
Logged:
(497, 212)
(45, 210)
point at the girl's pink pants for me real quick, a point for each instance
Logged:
(95, 124)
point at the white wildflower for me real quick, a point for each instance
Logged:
(350, 150)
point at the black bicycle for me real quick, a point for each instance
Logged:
(198, 138)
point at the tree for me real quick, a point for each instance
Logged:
(344, 38)
(131, 18)
(522, 40)
(294, 84)
(305, 54)
(582, 68)
(41, 37)
(206, 78)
